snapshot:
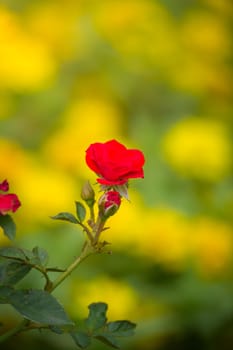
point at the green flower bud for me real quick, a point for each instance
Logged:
(88, 194)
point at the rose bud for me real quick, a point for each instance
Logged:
(109, 203)
(88, 194)
(4, 186)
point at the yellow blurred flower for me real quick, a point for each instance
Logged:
(143, 32)
(26, 62)
(58, 25)
(13, 160)
(128, 225)
(42, 190)
(170, 238)
(191, 72)
(88, 120)
(206, 34)
(120, 297)
(221, 6)
(211, 245)
(199, 148)
(158, 234)
(165, 238)
(204, 43)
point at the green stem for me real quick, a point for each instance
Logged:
(92, 214)
(87, 250)
(44, 273)
(85, 229)
(99, 228)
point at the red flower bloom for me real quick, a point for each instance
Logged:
(8, 202)
(114, 163)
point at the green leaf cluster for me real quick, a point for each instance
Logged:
(42, 310)
(97, 327)
(66, 216)
(35, 305)
(16, 263)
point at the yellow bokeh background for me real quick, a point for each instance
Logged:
(157, 76)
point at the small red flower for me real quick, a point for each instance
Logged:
(114, 163)
(4, 186)
(8, 202)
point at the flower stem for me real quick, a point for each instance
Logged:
(98, 228)
(86, 251)
(92, 214)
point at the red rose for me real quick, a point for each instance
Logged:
(8, 202)
(114, 163)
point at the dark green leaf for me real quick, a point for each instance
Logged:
(41, 255)
(108, 339)
(121, 328)
(8, 226)
(80, 210)
(39, 306)
(114, 330)
(81, 339)
(56, 329)
(5, 293)
(16, 253)
(66, 217)
(97, 316)
(12, 272)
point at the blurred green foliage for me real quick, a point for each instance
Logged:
(155, 75)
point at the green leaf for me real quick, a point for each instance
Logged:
(5, 292)
(8, 226)
(39, 306)
(114, 330)
(16, 253)
(108, 339)
(41, 255)
(80, 211)
(81, 339)
(12, 272)
(56, 330)
(97, 315)
(66, 217)
(121, 328)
